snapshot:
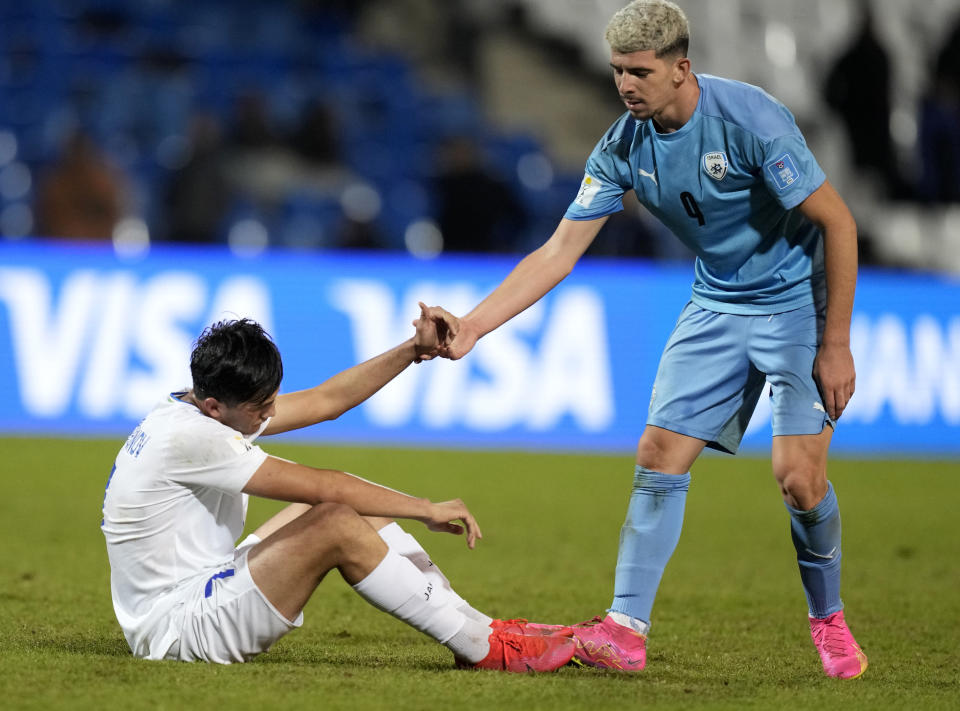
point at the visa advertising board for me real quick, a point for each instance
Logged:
(89, 341)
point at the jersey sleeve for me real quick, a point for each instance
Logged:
(790, 171)
(213, 456)
(601, 191)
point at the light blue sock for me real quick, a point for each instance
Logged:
(647, 539)
(816, 536)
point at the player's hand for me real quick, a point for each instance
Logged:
(430, 333)
(457, 336)
(443, 514)
(446, 323)
(834, 371)
(462, 341)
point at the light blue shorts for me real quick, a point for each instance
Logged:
(713, 370)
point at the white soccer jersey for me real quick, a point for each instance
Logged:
(172, 512)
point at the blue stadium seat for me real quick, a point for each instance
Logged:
(133, 73)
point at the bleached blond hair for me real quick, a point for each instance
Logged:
(643, 25)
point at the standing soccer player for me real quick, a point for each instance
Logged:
(176, 501)
(724, 166)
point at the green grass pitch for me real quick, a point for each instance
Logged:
(729, 625)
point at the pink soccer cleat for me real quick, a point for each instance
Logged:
(608, 645)
(839, 651)
(524, 653)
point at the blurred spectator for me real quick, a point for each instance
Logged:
(359, 234)
(81, 196)
(251, 126)
(477, 211)
(858, 88)
(314, 139)
(948, 59)
(939, 131)
(198, 194)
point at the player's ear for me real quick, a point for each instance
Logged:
(681, 70)
(211, 407)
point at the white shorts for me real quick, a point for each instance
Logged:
(226, 618)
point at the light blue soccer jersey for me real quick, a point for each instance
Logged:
(726, 184)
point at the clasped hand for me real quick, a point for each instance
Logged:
(440, 333)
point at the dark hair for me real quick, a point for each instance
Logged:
(677, 49)
(235, 362)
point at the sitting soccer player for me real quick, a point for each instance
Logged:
(177, 498)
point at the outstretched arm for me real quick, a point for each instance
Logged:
(284, 480)
(834, 367)
(534, 276)
(349, 388)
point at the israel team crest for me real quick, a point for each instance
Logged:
(715, 164)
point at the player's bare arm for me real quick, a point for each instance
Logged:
(534, 276)
(284, 480)
(349, 388)
(834, 367)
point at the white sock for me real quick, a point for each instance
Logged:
(475, 614)
(631, 622)
(409, 547)
(472, 642)
(397, 587)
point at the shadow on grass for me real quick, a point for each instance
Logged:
(100, 645)
(320, 657)
(335, 656)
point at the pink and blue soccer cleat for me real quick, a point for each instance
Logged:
(839, 651)
(608, 645)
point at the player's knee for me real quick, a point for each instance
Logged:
(802, 487)
(650, 453)
(654, 452)
(333, 520)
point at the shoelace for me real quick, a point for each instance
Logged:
(832, 637)
(511, 641)
(589, 623)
